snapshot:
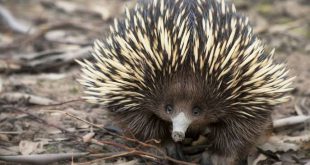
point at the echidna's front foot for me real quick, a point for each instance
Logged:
(174, 150)
(206, 159)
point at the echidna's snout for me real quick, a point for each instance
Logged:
(178, 136)
(180, 124)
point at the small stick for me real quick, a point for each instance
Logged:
(13, 23)
(133, 151)
(12, 133)
(32, 99)
(108, 157)
(62, 103)
(165, 157)
(89, 123)
(42, 158)
(100, 155)
(290, 121)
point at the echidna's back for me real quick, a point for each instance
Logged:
(162, 37)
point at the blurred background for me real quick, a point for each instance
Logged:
(40, 40)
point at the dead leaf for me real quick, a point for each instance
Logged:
(4, 137)
(88, 137)
(260, 157)
(278, 143)
(28, 147)
(8, 151)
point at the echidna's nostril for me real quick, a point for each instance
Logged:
(178, 136)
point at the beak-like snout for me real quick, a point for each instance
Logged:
(180, 124)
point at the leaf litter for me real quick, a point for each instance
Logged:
(43, 118)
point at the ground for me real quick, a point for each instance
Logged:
(41, 111)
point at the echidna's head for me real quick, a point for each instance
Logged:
(185, 62)
(183, 102)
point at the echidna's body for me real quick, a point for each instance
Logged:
(193, 63)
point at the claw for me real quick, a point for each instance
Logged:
(174, 150)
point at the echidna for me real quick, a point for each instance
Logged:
(174, 68)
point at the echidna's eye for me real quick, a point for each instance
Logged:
(196, 111)
(169, 109)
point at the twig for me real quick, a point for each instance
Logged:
(55, 60)
(89, 123)
(61, 41)
(290, 121)
(301, 106)
(164, 155)
(117, 135)
(62, 103)
(32, 99)
(101, 155)
(107, 157)
(37, 118)
(43, 29)
(42, 158)
(134, 151)
(298, 108)
(13, 23)
(12, 132)
(8, 65)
